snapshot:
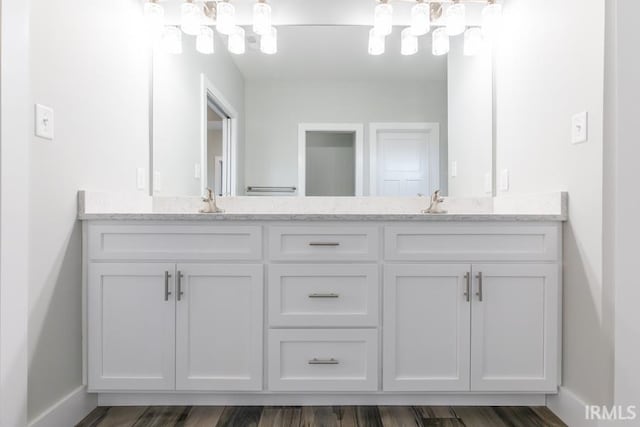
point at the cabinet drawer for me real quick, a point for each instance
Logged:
(323, 360)
(323, 295)
(174, 242)
(471, 242)
(323, 243)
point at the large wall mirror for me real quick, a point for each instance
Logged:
(322, 117)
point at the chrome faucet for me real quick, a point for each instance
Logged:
(210, 201)
(434, 206)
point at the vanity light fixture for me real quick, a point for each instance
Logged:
(473, 41)
(204, 41)
(420, 18)
(491, 19)
(172, 40)
(376, 42)
(440, 43)
(269, 42)
(261, 18)
(191, 17)
(154, 18)
(225, 17)
(236, 41)
(409, 42)
(456, 18)
(383, 18)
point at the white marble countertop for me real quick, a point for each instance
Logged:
(130, 207)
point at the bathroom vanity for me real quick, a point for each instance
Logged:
(322, 308)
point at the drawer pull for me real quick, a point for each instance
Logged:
(167, 292)
(324, 295)
(316, 361)
(468, 285)
(180, 291)
(324, 244)
(479, 293)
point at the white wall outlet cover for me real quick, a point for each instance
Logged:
(454, 169)
(504, 180)
(44, 121)
(157, 182)
(196, 171)
(579, 128)
(140, 178)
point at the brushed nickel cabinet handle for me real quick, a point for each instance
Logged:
(316, 361)
(167, 292)
(479, 293)
(324, 295)
(467, 278)
(179, 285)
(324, 243)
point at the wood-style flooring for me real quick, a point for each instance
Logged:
(320, 416)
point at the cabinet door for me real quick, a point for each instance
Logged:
(219, 327)
(515, 317)
(426, 327)
(131, 327)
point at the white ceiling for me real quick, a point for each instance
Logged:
(337, 52)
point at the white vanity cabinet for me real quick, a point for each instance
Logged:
(368, 308)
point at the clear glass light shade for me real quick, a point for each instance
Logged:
(440, 43)
(204, 41)
(420, 19)
(456, 19)
(383, 19)
(376, 42)
(191, 18)
(172, 40)
(225, 17)
(269, 42)
(473, 41)
(154, 19)
(236, 41)
(409, 43)
(491, 20)
(261, 18)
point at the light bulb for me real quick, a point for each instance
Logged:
(376, 42)
(491, 20)
(440, 44)
(225, 18)
(154, 19)
(383, 19)
(236, 41)
(473, 41)
(204, 41)
(409, 43)
(420, 19)
(261, 18)
(269, 42)
(456, 19)
(191, 18)
(172, 40)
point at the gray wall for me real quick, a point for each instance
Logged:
(330, 166)
(274, 109)
(89, 62)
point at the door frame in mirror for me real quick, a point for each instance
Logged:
(356, 128)
(229, 145)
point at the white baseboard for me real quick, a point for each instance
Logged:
(569, 408)
(302, 399)
(68, 411)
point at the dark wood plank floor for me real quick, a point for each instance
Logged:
(320, 416)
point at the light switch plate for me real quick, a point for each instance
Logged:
(140, 178)
(504, 180)
(44, 122)
(579, 128)
(454, 169)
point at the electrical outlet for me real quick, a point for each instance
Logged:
(504, 180)
(196, 171)
(140, 179)
(157, 182)
(44, 122)
(579, 128)
(454, 169)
